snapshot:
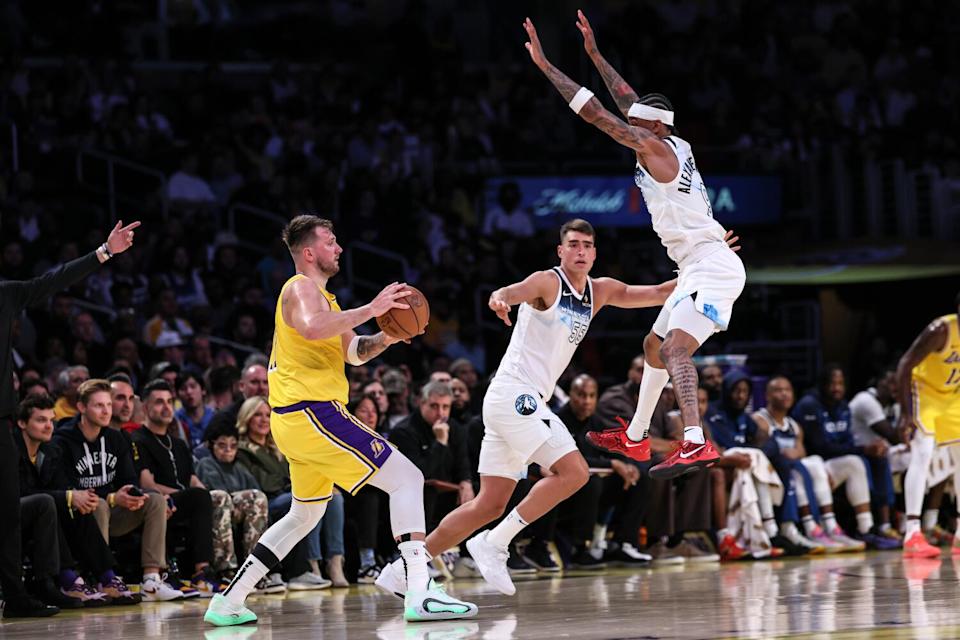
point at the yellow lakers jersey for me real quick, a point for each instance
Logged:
(939, 372)
(305, 370)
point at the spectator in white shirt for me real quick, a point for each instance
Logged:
(509, 218)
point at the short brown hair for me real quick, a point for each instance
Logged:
(301, 228)
(90, 387)
(577, 224)
(33, 403)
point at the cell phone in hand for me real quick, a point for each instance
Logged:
(135, 492)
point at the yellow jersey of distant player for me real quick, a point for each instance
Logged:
(939, 372)
(302, 369)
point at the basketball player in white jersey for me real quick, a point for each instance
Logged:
(556, 308)
(711, 276)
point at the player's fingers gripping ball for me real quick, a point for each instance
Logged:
(407, 323)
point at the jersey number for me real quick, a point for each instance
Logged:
(273, 354)
(578, 331)
(954, 377)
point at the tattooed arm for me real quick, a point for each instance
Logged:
(641, 140)
(368, 347)
(622, 92)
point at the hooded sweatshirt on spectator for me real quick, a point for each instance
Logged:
(104, 464)
(733, 427)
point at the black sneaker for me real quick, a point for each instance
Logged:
(789, 549)
(368, 574)
(584, 560)
(28, 607)
(538, 555)
(516, 565)
(48, 593)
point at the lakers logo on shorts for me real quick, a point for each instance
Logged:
(525, 404)
(377, 447)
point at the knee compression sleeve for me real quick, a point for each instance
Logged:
(403, 481)
(293, 527)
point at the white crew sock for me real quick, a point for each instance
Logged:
(599, 537)
(151, 576)
(790, 532)
(694, 434)
(250, 573)
(507, 530)
(651, 387)
(830, 522)
(864, 522)
(913, 525)
(929, 520)
(770, 526)
(414, 553)
(723, 533)
(809, 524)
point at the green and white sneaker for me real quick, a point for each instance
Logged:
(224, 613)
(435, 604)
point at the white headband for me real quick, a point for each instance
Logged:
(646, 112)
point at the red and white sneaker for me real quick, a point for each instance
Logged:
(730, 550)
(916, 546)
(687, 457)
(616, 440)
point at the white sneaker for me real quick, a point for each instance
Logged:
(393, 579)
(848, 543)
(308, 582)
(635, 554)
(153, 590)
(491, 562)
(223, 613)
(435, 604)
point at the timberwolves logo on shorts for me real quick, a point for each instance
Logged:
(525, 404)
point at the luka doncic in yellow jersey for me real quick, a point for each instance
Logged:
(936, 387)
(323, 442)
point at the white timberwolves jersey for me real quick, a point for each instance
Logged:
(543, 342)
(681, 211)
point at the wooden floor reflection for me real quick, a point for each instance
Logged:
(876, 595)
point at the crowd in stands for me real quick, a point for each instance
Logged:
(144, 421)
(168, 481)
(396, 153)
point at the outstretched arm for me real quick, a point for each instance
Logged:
(622, 93)
(538, 289)
(644, 142)
(609, 291)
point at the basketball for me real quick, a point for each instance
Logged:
(407, 323)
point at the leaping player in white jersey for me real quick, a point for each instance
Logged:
(711, 276)
(556, 308)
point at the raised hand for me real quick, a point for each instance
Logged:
(533, 46)
(731, 240)
(390, 298)
(501, 308)
(121, 238)
(589, 39)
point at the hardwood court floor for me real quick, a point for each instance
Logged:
(874, 595)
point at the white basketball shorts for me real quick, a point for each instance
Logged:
(519, 429)
(710, 286)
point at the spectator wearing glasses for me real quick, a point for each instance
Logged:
(246, 505)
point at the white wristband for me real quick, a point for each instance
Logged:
(352, 356)
(583, 96)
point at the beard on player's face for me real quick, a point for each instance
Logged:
(329, 267)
